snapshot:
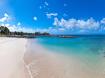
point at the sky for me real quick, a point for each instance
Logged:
(54, 16)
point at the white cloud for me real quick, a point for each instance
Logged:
(46, 3)
(5, 18)
(7, 25)
(52, 30)
(5, 21)
(89, 24)
(56, 22)
(6, 15)
(49, 15)
(18, 23)
(30, 30)
(103, 21)
(17, 27)
(35, 18)
(74, 23)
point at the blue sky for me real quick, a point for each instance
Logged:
(54, 16)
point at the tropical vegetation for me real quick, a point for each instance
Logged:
(4, 31)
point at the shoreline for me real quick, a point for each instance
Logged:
(21, 58)
(43, 63)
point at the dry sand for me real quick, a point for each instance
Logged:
(45, 64)
(11, 58)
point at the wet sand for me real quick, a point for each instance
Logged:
(42, 63)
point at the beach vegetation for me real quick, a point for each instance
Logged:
(4, 30)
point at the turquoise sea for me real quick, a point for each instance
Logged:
(80, 45)
(87, 57)
(88, 48)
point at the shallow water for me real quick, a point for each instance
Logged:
(89, 52)
(89, 49)
(94, 45)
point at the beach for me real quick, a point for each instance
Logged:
(52, 38)
(43, 63)
(11, 58)
(26, 58)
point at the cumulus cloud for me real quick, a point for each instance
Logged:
(49, 15)
(17, 27)
(5, 18)
(56, 22)
(6, 21)
(49, 29)
(103, 21)
(74, 23)
(6, 15)
(35, 18)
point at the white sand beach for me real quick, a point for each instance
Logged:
(11, 58)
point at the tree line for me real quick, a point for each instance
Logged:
(5, 31)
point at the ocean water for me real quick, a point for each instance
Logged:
(88, 48)
(88, 60)
(79, 45)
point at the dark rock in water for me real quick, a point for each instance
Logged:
(63, 36)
